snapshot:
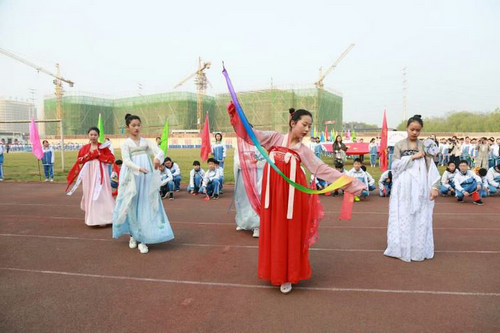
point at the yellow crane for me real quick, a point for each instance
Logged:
(59, 91)
(201, 82)
(322, 76)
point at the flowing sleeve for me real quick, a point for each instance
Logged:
(320, 170)
(155, 151)
(269, 139)
(126, 159)
(399, 164)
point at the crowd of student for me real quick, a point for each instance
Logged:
(459, 181)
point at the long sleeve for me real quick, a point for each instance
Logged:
(191, 178)
(322, 171)
(52, 155)
(155, 151)
(382, 179)
(490, 177)
(445, 180)
(176, 170)
(371, 181)
(269, 139)
(126, 159)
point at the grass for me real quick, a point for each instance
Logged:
(24, 166)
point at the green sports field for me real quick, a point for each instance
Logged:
(24, 166)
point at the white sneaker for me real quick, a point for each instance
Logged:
(51, 179)
(46, 179)
(238, 228)
(1, 179)
(143, 248)
(285, 288)
(132, 243)
(255, 233)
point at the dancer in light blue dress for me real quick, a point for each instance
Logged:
(139, 210)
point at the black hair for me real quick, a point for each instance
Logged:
(211, 159)
(196, 163)
(357, 160)
(215, 136)
(363, 168)
(463, 161)
(217, 162)
(158, 138)
(129, 117)
(167, 159)
(44, 141)
(449, 163)
(373, 139)
(93, 128)
(295, 115)
(417, 118)
(389, 175)
(482, 172)
(339, 165)
(118, 162)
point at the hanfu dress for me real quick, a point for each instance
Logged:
(139, 210)
(409, 231)
(91, 170)
(246, 216)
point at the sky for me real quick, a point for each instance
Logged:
(450, 49)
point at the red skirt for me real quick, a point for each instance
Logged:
(283, 256)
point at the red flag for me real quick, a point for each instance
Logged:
(205, 141)
(383, 145)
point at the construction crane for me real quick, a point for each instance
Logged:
(59, 91)
(201, 82)
(322, 76)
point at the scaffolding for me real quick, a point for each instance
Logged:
(266, 109)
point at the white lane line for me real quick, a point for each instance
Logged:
(232, 210)
(252, 286)
(236, 246)
(232, 223)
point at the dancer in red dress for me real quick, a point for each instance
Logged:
(285, 215)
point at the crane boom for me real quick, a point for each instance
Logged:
(319, 83)
(198, 72)
(38, 68)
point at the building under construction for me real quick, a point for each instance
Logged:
(266, 109)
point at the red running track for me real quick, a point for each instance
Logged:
(56, 274)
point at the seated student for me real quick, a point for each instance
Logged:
(339, 166)
(385, 184)
(371, 180)
(167, 183)
(211, 182)
(493, 178)
(195, 178)
(220, 171)
(175, 171)
(359, 174)
(319, 149)
(484, 191)
(447, 180)
(115, 176)
(467, 183)
(320, 184)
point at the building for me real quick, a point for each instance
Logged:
(12, 110)
(266, 109)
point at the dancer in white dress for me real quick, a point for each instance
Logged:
(415, 186)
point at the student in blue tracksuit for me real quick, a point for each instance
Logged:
(373, 152)
(1, 161)
(48, 161)
(448, 180)
(219, 150)
(175, 171)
